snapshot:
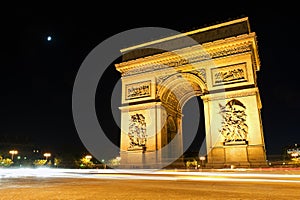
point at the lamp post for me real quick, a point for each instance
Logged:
(47, 155)
(295, 155)
(13, 152)
(202, 158)
(88, 157)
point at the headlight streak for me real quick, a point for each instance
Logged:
(148, 175)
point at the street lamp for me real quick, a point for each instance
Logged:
(13, 152)
(202, 158)
(295, 155)
(88, 157)
(47, 155)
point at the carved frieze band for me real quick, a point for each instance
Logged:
(138, 90)
(135, 67)
(156, 66)
(229, 74)
(229, 51)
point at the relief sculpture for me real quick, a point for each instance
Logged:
(137, 132)
(229, 74)
(233, 127)
(138, 90)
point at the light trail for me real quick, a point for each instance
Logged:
(148, 175)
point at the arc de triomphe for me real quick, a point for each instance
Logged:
(220, 67)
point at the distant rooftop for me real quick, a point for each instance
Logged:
(203, 35)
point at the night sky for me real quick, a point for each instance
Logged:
(37, 75)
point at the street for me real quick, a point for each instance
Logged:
(115, 184)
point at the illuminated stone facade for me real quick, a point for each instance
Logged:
(220, 66)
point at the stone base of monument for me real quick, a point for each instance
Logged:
(236, 155)
(132, 159)
(257, 156)
(142, 159)
(139, 158)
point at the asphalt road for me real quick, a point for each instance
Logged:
(92, 185)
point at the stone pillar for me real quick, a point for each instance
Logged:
(151, 154)
(239, 140)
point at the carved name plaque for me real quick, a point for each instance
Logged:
(229, 74)
(138, 90)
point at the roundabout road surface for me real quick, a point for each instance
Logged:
(67, 184)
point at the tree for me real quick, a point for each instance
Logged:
(40, 162)
(85, 163)
(5, 162)
(191, 163)
(57, 161)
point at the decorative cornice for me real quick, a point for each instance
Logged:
(144, 106)
(230, 94)
(190, 55)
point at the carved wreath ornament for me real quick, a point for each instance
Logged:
(233, 127)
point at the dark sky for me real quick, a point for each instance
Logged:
(37, 76)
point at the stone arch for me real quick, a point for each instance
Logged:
(179, 88)
(174, 92)
(157, 85)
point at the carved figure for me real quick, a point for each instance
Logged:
(137, 131)
(234, 127)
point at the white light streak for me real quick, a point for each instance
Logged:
(148, 175)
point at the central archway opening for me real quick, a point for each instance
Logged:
(181, 98)
(196, 146)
